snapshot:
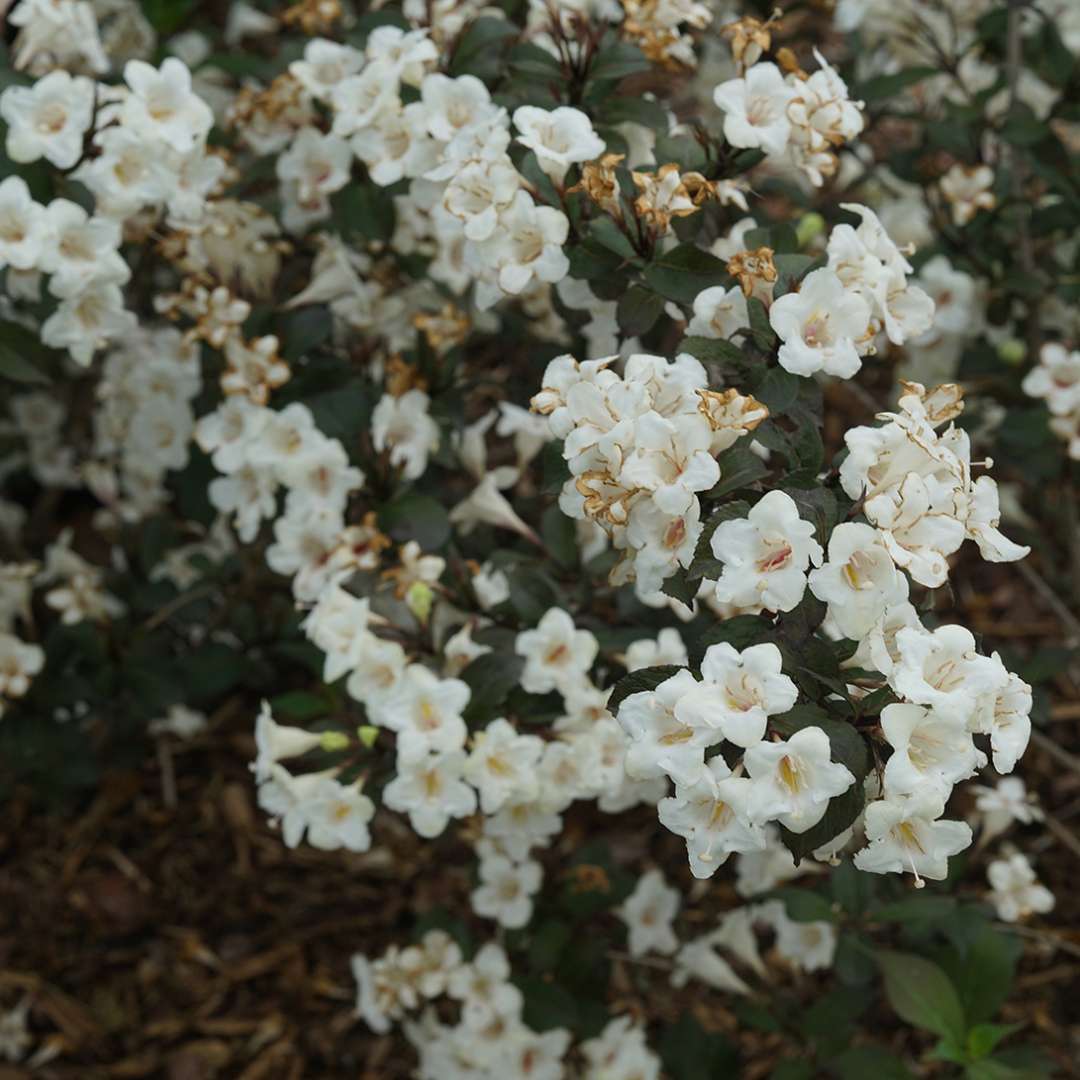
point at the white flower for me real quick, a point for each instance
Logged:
(756, 108)
(711, 815)
(557, 654)
(163, 106)
(80, 249)
(942, 668)
(87, 321)
(23, 229)
(820, 326)
(180, 721)
(19, 663)
(648, 913)
(48, 119)
(325, 64)
(275, 742)
(358, 100)
(698, 959)
(998, 807)
(719, 312)
(1056, 378)
(396, 144)
(766, 555)
(403, 425)
(620, 1052)
(930, 752)
(527, 245)
(425, 711)
(410, 52)
(477, 193)
(905, 835)
(558, 137)
(807, 946)
(738, 692)
(338, 816)
(431, 791)
(317, 164)
(491, 585)
(671, 459)
(484, 989)
(660, 742)
(967, 190)
(794, 779)
(503, 764)
(668, 648)
(1017, 892)
(506, 890)
(859, 581)
(1010, 723)
(454, 105)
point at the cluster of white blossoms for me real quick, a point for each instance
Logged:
(727, 958)
(452, 142)
(839, 312)
(1056, 379)
(148, 142)
(796, 117)
(916, 487)
(490, 1039)
(641, 448)
(916, 491)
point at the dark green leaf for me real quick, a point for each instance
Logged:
(637, 310)
(889, 86)
(491, 677)
(416, 517)
(21, 355)
(640, 681)
(778, 390)
(690, 1053)
(921, 993)
(803, 904)
(715, 350)
(863, 1062)
(739, 467)
(683, 272)
(740, 632)
(617, 61)
(480, 49)
(760, 328)
(841, 813)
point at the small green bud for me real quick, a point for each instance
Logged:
(368, 734)
(1012, 351)
(333, 741)
(419, 599)
(809, 228)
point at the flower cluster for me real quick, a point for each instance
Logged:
(800, 118)
(641, 448)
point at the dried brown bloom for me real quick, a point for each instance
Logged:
(443, 329)
(400, 376)
(599, 182)
(663, 196)
(752, 268)
(750, 37)
(790, 63)
(313, 16)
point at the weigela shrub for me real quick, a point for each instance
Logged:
(490, 363)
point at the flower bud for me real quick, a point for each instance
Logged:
(808, 228)
(330, 741)
(1012, 351)
(419, 599)
(367, 734)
